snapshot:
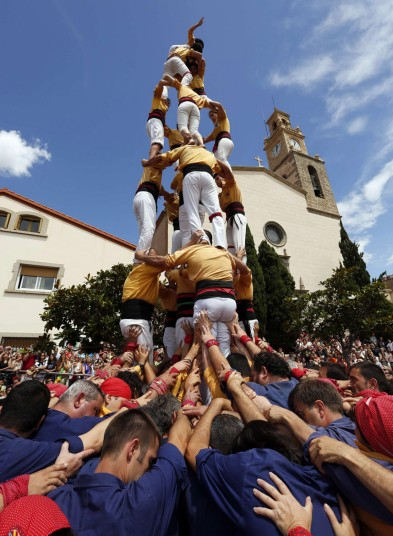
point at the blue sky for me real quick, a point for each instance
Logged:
(77, 78)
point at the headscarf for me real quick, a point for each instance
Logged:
(116, 387)
(374, 417)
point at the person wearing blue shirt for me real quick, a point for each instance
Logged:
(57, 424)
(272, 378)
(229, 480)
(23, 411)
(317, 411)
(75, 413)
(133, 490)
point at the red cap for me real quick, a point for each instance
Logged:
(57, 388)
(116, 387)
(33, 515)
(298, 373)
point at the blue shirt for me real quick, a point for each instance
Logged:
(19, 456)
(57, 423)
(100, 504)
(277, 392)
(356, 493)
(341, 429)
(199, 515)
(229, 480)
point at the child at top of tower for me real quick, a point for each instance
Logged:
(178, 54)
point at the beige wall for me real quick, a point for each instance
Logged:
(77, 251)
(312, 239)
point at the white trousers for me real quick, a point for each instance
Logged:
(176, 241)
(174, 66)
(252, 324)
(199, 187)
(219, 311)
(188, 117)
(155, 131)
(145, 214)
(169, 340)
(236, 234)
(184, 223)
(224, 149)
(146, 336)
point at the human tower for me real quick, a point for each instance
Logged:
(199, 174)
(194, 190)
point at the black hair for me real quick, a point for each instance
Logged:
(199, 40)
(240, 363)
(335, 371)
(264, 435)
(133, 380)
(25, 406)
(371, 371)
(161, 410)
(309, 391)
(224, 430)
(132, 424)
(198, 45)
(274, 364)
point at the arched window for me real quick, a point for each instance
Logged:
(315, 181)
(29, 224)
(4, 219)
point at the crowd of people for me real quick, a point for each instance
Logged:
(255, 441)
(218, 432)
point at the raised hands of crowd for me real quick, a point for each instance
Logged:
(141, 355)
(134, 333)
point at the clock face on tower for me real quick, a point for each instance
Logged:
(276, 150)
(294, 144)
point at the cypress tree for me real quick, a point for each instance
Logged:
(279, 287)
(352, 258)
(259, 298)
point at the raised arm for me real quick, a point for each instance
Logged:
(299, 428)
(180, 432)
(248, 410)
(200, 439)
(151, 260)
(192, 29)
(226, 172)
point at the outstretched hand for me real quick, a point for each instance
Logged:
(283, 509)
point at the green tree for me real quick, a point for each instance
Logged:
(352, 258)
(343, 310)
(279, 287)
(259, 298)
(89, 313)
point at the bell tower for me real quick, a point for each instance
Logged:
(287, 157)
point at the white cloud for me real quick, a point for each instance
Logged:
(351, 54)
(17, 156)
(364, 205)
(389, 262)
(357, 125)
(306, 75)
